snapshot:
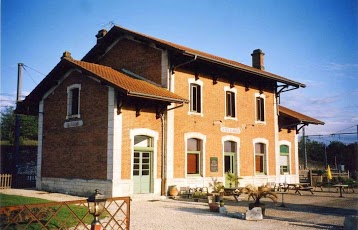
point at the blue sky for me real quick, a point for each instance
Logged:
(313, 42)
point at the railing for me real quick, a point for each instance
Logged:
(308, 176)
(5, 181)
(65, 215)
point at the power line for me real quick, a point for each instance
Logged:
(34, 69)
(344, 129)
(29, 74)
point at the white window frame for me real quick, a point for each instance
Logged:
(237, 160)
(234, 91)
(202, 158)
(69, 101)
(287, 143)
(265, 163)
(200, 84)
(262, 96)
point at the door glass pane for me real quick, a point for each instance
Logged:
(193, 144)
(145, 166)
(227, 164)
(145, 161)
(229, 146)
(136, 154)
(142, 141)
(145, 172)
(145, 155)
(135, 172)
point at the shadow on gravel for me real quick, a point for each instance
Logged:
(318, 226)
(197, 211)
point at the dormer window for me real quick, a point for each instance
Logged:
(73, 101)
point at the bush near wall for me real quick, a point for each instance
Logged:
(26, 161)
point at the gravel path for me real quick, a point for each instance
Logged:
(324, 210)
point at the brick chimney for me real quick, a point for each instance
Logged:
(101, 34)
(258, 59)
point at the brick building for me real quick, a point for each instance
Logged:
(138, 114)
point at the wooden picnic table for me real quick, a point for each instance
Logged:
(235, 192)
(340, 186)
(298, 187)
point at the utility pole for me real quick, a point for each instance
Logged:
(304, 149)
(17, 119)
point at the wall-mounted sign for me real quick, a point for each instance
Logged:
(71, 124)
(214, 165)
(231, 130)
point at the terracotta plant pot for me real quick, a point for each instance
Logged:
(173, 190)
(214, 207)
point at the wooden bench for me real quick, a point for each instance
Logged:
(189, 192)
(185, 192)
(304, 189)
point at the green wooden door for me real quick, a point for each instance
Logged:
(229, 167)
(142, 172)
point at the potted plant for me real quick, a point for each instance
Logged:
(218, 189)
(197, 195)
(233, 179)
(257, 193)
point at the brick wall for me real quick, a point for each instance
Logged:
(136, 57)
(214, 109)
(146, 120)
(72, 152)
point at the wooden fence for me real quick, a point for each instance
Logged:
(65, 215)
(307, 176)
(5, 181)
(8, 181)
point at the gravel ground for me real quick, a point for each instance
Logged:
(323, 210)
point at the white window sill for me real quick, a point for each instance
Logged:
(230, 118)
(73, 116)
(195, 114)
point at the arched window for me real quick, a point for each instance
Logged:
(194, 156)
(260, 158)
(284, 159)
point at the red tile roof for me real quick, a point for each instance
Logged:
(132, 86)
(299, 116)
(200, 55)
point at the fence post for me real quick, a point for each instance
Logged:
(5, 181)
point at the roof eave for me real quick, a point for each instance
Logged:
(156, 97)
(286, 81)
